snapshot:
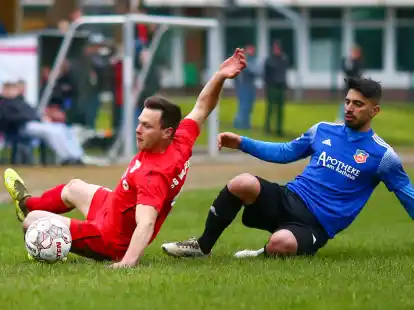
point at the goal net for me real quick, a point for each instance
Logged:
(166, 55)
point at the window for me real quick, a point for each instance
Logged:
(273, 14)
(239, 37)
(371, 43)
(405, 13)
(325, 48)
(325, 13)
(405, 48)
(371, 13)
(286, 39)
(242, 13)
(159, 11)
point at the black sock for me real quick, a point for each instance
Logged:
(265, 251)
(221, 214)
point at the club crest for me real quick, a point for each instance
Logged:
(361, 156)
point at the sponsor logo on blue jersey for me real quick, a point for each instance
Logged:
(338, 166)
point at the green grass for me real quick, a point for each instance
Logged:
(394, 124)
(369, 266)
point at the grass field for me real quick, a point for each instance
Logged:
(369, 266)
(394, 124)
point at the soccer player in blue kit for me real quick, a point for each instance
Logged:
(346, 163)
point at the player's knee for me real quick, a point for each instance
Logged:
(245, 186)
(72, 189)
(30, 218)
(282, 242)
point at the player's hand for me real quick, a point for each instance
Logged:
(229, 140)
(232, 66)
(122, 264)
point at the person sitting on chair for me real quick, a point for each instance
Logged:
(17, 116)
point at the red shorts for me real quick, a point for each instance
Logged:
(87, 237)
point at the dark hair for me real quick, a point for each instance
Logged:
(170, 112)
(369, 88)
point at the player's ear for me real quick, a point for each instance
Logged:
(167, 133)
(375, 110)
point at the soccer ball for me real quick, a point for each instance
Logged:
(48, 240)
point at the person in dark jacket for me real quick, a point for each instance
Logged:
(275, 70)
(17, 116)
(351, 68)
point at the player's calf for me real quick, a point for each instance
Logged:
(50, 201)
(242, 189)
(63, 198)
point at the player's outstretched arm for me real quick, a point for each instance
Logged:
(405, 195)
(281, 153)
(146, 217)
(209, 96)
(394, 177)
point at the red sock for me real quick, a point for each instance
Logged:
(51, 201)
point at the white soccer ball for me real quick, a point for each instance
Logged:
(48, 240)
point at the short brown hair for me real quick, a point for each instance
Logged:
(170, 112)
(369, 88)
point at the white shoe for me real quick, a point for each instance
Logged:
(249, 253)
(188, 248)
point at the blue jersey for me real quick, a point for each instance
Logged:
(345, 167)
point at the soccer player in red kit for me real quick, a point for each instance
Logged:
(120, 224)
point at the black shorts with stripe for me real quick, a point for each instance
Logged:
(278, 208)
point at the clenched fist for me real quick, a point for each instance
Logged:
(229, 140)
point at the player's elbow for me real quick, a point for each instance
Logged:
(146, 224)
(146, 216)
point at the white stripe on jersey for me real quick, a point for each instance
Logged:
(381, 142)
(332, 124)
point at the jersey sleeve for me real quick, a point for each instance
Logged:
(394, 177)
(391, 171)
(281, 153)
(406, 197)
(152, 189)
(187, 133)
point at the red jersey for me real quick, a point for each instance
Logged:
(153, 179)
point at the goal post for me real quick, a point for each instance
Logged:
(128, 21)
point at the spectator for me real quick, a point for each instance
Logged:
(118, 94)
(143, 34)
(63, 26)
(246, 89)
(3, 31)
(62, 95)
(152, 84)
(100, 55)
(66, 90)
(275, 71)
(21, 88)
(85, 83)
(351, 68)
(17, 116)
